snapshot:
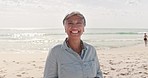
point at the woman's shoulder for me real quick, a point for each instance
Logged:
(56, 47)
(88, 45)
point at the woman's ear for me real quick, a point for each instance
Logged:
(65, 29)
(83, 29)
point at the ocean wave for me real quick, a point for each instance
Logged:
(99, 33)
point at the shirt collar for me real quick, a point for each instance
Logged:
(65, 46)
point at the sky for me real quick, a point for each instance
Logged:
(50, 13)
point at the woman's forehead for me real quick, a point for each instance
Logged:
(76, 17)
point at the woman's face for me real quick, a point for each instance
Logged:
(74, 27)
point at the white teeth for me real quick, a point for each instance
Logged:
(75, 32)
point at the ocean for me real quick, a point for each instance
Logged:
(27, 40)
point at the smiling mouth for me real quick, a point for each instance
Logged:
(75, 32)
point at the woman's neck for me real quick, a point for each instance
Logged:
(75, 45)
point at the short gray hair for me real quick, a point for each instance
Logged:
(72, 14)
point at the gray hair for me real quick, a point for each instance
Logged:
(72, 14)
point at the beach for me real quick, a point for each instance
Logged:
(121, 52)
(22, 65)
(123, 62)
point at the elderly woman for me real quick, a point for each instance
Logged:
(74, 58)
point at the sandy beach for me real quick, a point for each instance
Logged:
(125, 62)
(22, 65)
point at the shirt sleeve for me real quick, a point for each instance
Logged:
(51, 68)
(99, 72)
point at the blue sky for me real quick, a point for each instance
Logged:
(50, 13)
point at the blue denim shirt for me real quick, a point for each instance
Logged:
(63, 62)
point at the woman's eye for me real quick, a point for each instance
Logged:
(70, 23)
(79, 23)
